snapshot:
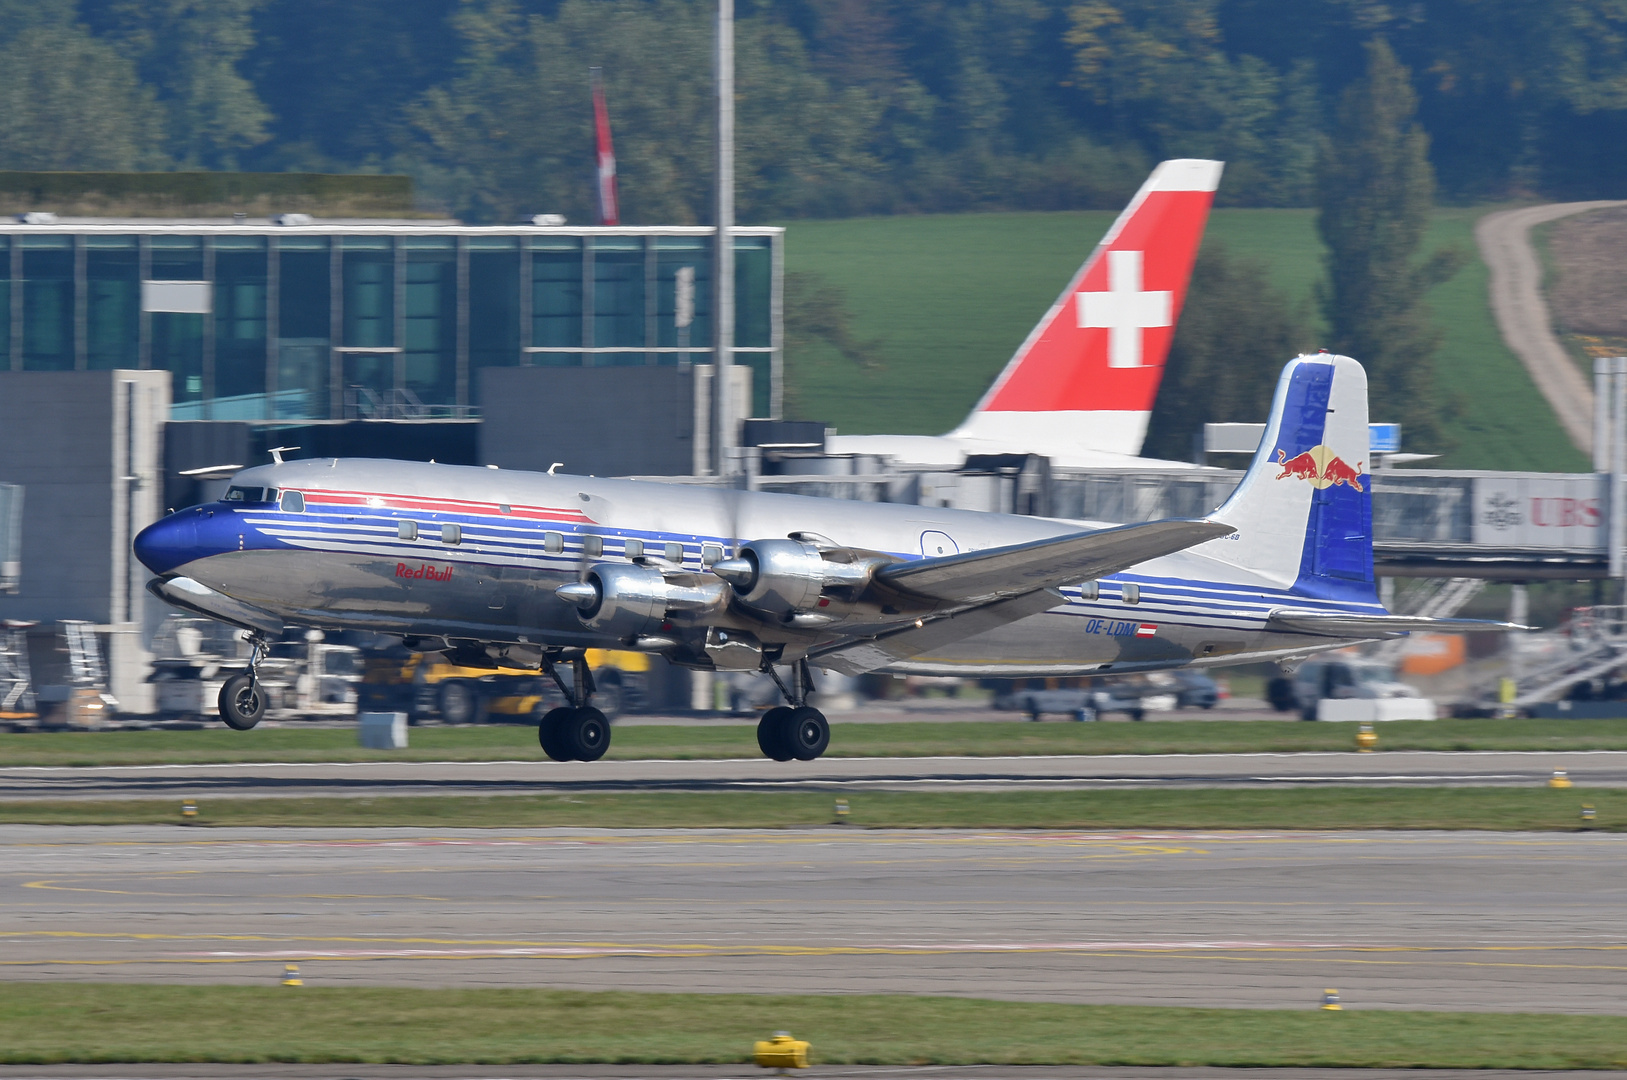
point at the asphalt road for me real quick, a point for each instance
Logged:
(1604, 768)
(1522, 312)
(725, 1072)
(1393, 920)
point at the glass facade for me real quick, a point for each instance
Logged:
(112, 302)
(319, 322)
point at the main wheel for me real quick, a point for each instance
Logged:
(457, 702)
(242, 702)
(773, 738)
(551, 734)
(585, 733)
(807, 732)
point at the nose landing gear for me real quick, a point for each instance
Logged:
(242, 702)
(578, 731)
(796, 730)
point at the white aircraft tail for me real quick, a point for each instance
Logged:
(1089, 371)
(1303, 513)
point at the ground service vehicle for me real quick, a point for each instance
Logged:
(428, 685)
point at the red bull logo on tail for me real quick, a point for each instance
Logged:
(1321, 466)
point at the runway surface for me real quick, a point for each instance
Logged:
(726, 1072)
(1393, 920)
(736, 1072)
(1592, 768)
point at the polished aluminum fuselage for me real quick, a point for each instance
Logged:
(345, 562)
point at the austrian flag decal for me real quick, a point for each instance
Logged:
(1147, 629)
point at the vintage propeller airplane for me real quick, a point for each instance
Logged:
(532, 569)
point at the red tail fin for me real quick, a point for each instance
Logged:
(1091, 368)
(605, 167)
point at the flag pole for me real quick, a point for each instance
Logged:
(725, 423)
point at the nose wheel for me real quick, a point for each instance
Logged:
(578, 731)
(797, 730)
(242, 702)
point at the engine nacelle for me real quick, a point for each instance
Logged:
(784, 577)
(628, 600)
(631, 600)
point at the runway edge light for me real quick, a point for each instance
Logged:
(1559, 779)
(1330, 1001)
(1589, 814)
(781, 1052)
(189, 810)
(841, 811)
(1366, 739)
(290, 975)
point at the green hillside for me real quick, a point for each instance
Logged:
(948, 298)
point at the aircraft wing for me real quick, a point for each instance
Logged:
(981, 590)
(1334, 624)
(994, 574)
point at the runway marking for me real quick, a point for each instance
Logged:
(676, 763)
(1241, 952)
(821, 837)
(458, 947)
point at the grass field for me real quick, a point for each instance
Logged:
(44, 1023)
(950, 297)
(908, 739)
(1496, 809)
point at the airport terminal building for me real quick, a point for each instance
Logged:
(373, 319)
(142, 350)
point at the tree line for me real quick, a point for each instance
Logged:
(846, 106)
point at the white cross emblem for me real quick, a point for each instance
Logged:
(1124, 310)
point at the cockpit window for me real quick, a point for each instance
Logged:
(293, 502)
(245, 494)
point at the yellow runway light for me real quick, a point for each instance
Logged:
(781, 1052)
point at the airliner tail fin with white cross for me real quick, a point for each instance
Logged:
(1087, 375)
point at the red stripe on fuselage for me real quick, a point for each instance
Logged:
(446, 506)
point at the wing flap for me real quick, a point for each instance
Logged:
(994, 574)
(1337, 624)
(858, 657)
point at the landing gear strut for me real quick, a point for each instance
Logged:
(578, 731)
(796, 730)
(242, 702)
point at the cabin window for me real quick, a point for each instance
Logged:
(553, 543)
(1132, 594)
(406, 530)
(632, 548)
(675, 553)
(451, 534)
(293, 502)
(711, 553)
(1089, 591)
(592, 546)
(245, 494)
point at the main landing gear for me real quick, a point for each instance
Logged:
(578, 731)
(242, 701)
(796, 730)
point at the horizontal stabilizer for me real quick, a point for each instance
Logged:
(1335, 624)
(994, 574)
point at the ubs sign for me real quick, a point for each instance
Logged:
(1537, 511)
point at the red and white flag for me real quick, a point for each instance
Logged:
(1147, 629)
(605, 174)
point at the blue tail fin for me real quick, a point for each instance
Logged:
(1304, 511)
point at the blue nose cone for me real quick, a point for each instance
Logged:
(169, 542)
